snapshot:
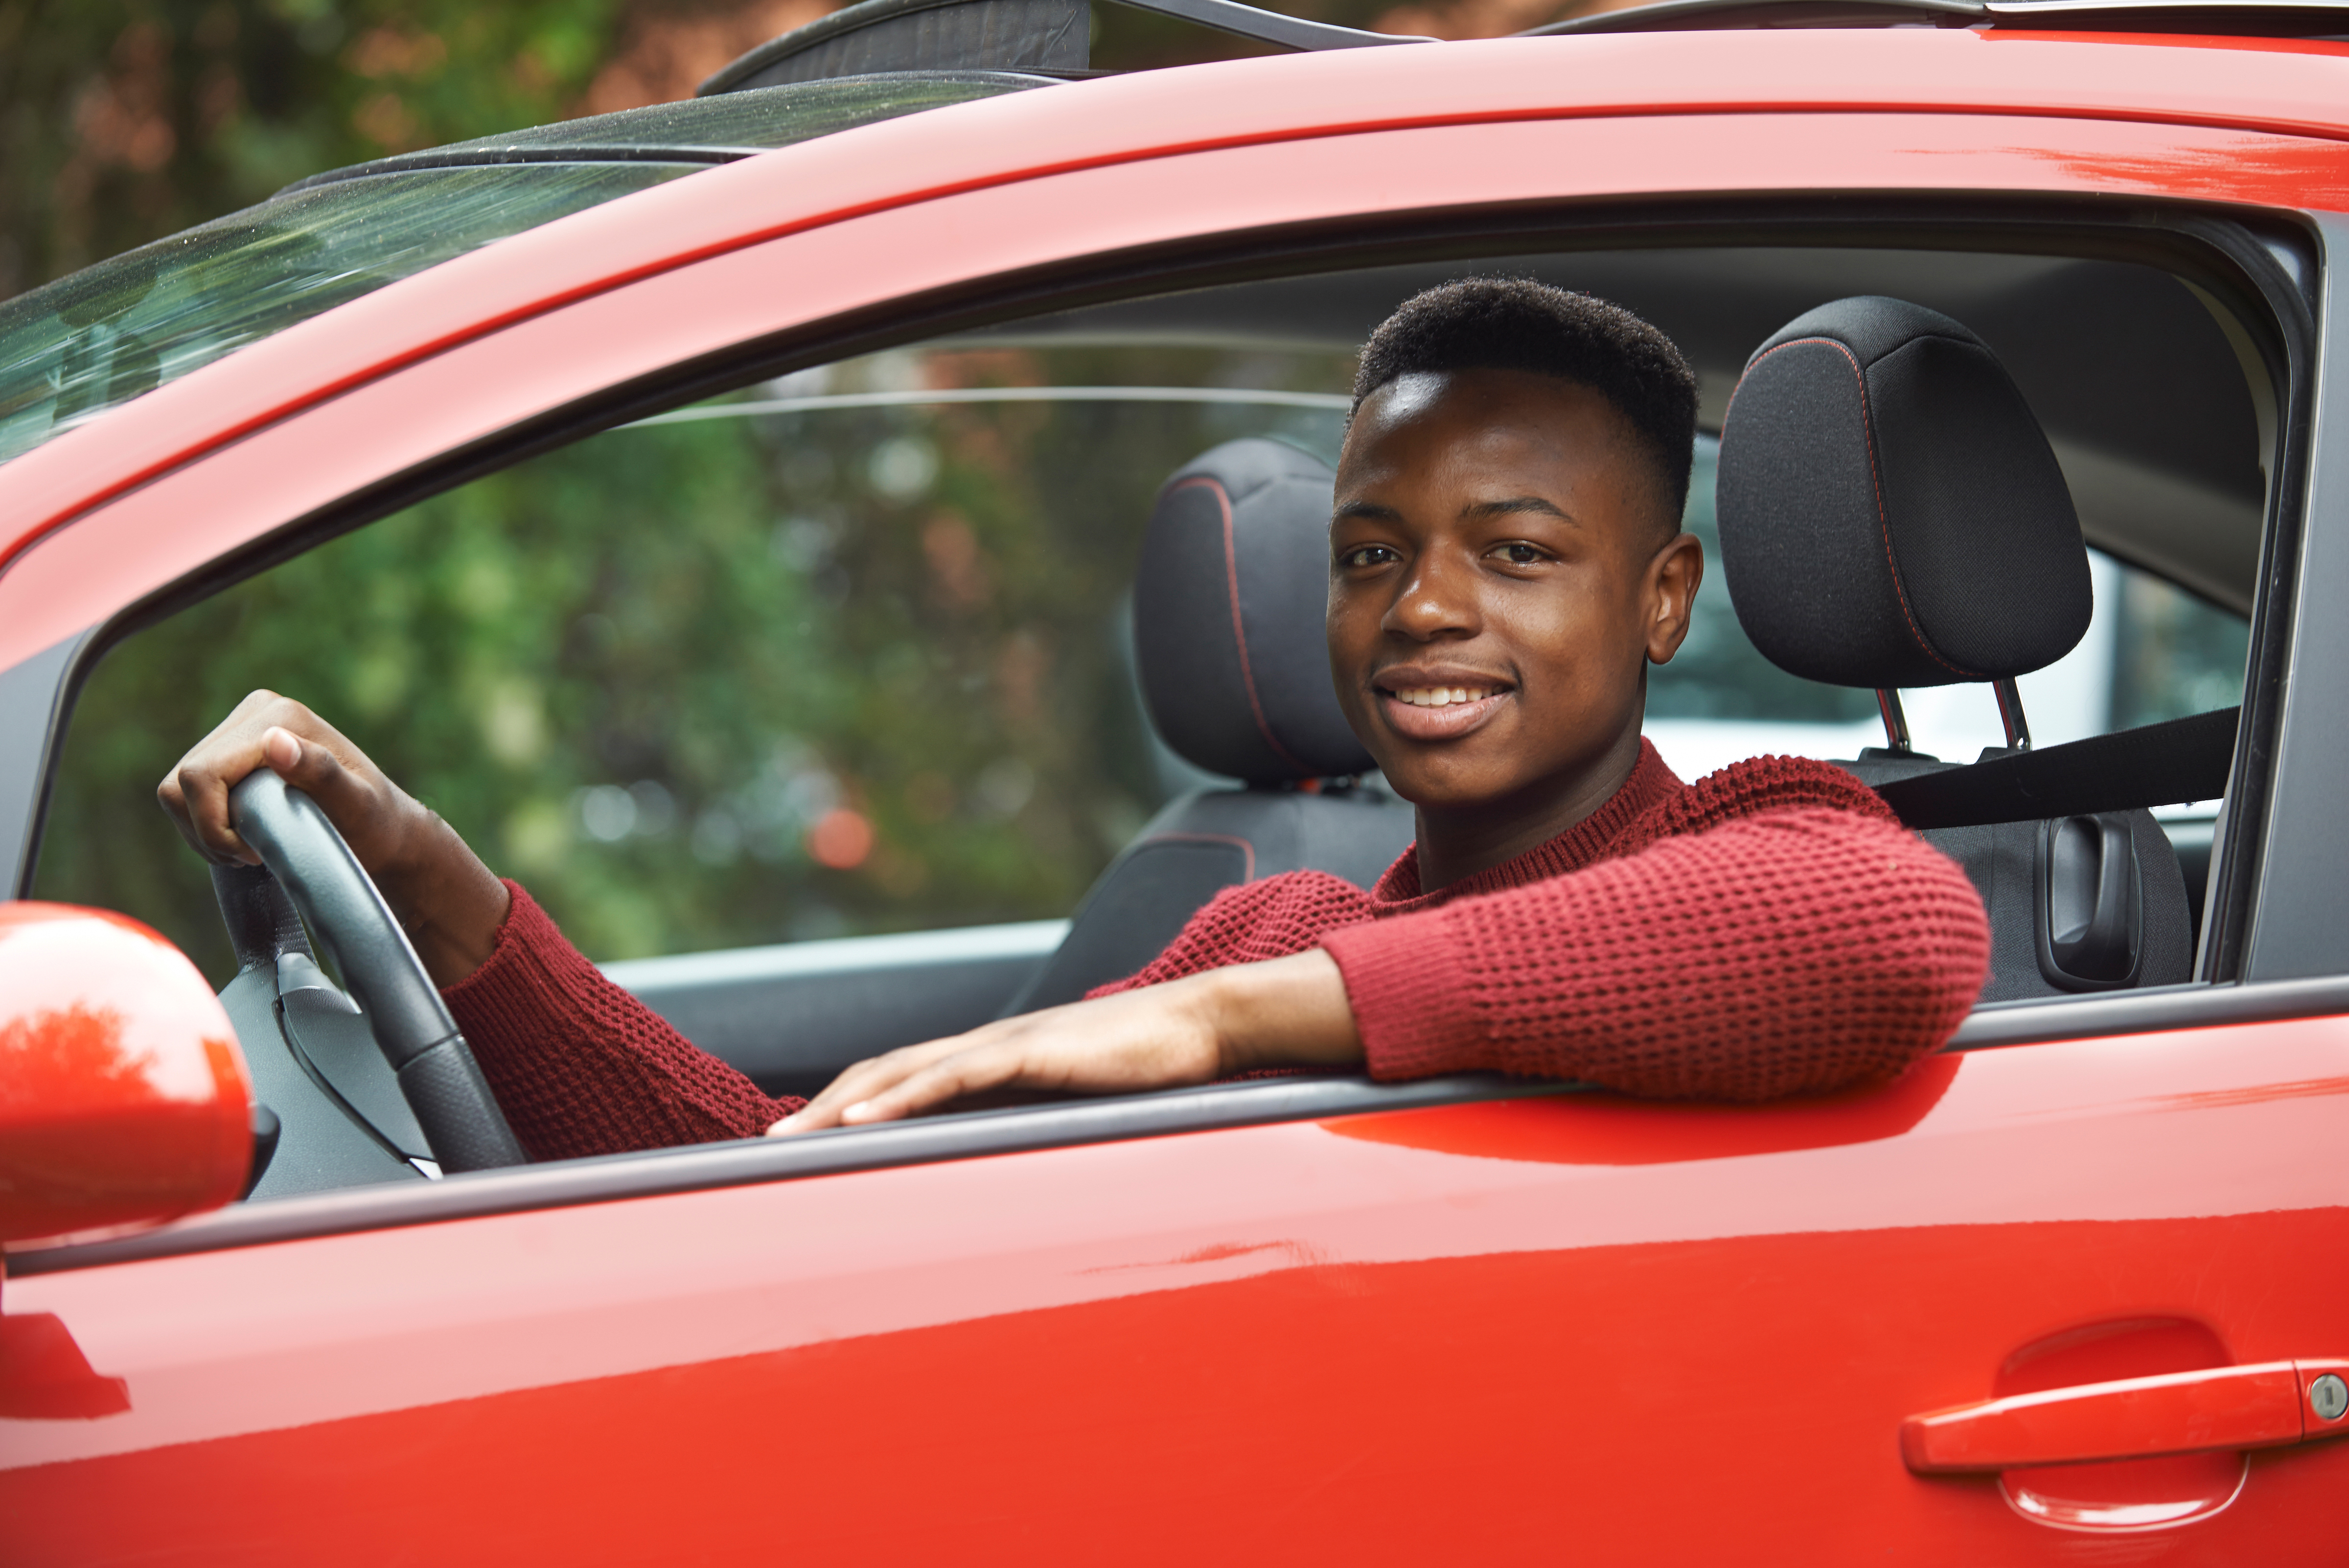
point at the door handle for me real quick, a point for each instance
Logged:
(2264, 1405)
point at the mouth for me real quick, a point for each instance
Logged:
(1429, 709)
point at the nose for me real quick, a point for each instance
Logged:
(1437, 599)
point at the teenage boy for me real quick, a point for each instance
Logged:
(1505, 561)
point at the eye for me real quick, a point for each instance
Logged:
(1519, 553)
(1368, 556)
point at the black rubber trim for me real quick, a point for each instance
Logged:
(2167, 763)
(970, 1135)
(2155, 1010)
(1690, 16)
(1224, 15)
(1271, 27)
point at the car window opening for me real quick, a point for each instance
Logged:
(818, 701)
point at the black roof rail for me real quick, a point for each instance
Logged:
(1051, 37)
(2268, 18)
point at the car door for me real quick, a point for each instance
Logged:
(1297, 1319)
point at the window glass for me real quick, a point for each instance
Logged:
(845, 653)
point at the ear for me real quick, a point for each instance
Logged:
(1668, 592)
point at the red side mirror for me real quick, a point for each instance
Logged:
(123, 1098)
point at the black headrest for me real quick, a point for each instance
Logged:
(1890, 511)
(1229, 602)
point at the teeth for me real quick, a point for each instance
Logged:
(1443, 696)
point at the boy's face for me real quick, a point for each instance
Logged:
(1495, 532)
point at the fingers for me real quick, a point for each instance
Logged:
(277, 732)
(858, 1084)
(1159, 1038)
(194, 793)
(317, 771)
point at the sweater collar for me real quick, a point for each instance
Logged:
(1651, 782)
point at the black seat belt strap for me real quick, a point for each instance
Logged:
(2157, 765)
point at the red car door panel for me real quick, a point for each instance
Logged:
(1500, 1331)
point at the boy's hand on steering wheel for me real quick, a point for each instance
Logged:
(450, 904)
(1289, 1012)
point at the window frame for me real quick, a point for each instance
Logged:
(569, 349)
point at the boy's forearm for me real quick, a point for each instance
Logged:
(1284, 1012)
(449, 903)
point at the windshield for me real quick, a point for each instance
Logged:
(76, 347)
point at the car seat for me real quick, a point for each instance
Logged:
(1229, 611)
(1891, 514)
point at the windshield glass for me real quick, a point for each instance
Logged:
(76, 347)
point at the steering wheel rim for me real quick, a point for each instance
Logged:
(347, 916)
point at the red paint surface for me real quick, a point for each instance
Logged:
(1319, 1343)
(123, 1098)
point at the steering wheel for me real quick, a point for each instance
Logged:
(347, 916)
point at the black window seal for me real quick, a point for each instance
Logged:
(971, 1134)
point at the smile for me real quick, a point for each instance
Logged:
(1440, 712)
(1444, 696)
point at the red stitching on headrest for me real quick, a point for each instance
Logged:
(1883, 523)
(1239, 631)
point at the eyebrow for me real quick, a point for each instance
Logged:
(1515, 503)
(1370, 510)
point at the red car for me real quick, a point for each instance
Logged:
(784, 461)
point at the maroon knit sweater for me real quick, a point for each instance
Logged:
(1770, 930)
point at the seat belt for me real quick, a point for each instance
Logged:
(2155, 765)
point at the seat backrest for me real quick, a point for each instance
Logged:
(1229, 611)
(1891, 514)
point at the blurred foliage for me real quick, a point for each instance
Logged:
(123, 120)
(2173, 654)
(722, 681)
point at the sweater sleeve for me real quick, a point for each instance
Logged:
(1267, 919)
(1793, 951)
(580, 1067)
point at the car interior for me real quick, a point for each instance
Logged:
(2027, 410)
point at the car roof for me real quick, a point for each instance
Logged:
(2294, 88)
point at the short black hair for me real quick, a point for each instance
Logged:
(1520, 324)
